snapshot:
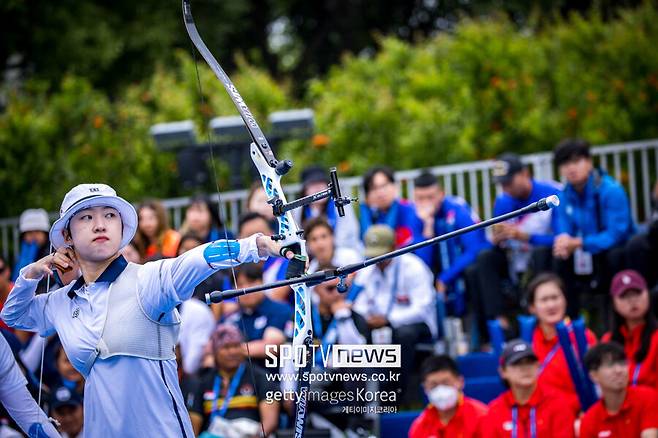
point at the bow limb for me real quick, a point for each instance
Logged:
(303, 332)
(270, 170)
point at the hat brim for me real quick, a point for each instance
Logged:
(376, 251)
(518, 357)
(125, 209)
(503, 179)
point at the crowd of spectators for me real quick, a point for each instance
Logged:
(585, 258)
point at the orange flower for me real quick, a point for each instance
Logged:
(99, 121)
(320, 141)
(344, 166)
(496, 82)
(618, 84)
(572, 113)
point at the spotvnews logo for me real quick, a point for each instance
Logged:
(334, 356)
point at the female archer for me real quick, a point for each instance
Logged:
(118, 321)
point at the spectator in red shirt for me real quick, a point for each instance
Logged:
(527, 410)
(634, 326)
(622, 411)
(450, 413)
(547, 301)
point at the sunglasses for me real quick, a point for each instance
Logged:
(3, 268)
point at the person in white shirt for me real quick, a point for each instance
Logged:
(17, 399)
(118, 321)
(397, 297)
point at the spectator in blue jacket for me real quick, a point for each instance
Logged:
(453, 259)
(594, 222)
(521, 245)
(383, 206)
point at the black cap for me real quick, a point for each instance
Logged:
(505, 167)
(514, 351)
(63, 396)
(313, 174)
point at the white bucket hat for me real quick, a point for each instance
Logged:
(34, 219)
(93, 195)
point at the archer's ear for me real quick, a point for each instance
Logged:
(67, 237)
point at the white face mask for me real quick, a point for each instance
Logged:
(443, 397)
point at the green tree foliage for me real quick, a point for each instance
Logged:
(113, 43)
(488, 88)
(52, 141)
(470, 94)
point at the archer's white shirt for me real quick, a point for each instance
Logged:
(403, 293)
(124, 396)
(14, 394)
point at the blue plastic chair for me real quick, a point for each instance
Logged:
(396, 425)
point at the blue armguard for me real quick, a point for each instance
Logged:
(37, 431)
(222, 250)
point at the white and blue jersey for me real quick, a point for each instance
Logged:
(124, 395)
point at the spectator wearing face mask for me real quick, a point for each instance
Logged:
(526, 409)
(450, 413)
(622, 411)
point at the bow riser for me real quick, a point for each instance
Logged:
(303, 329)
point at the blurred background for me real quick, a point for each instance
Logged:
(84, 82)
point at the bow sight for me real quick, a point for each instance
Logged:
(279, 208)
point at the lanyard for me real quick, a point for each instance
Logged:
(233, 387)
(636, 373)
(393, 291)
(515, 422)
(329, 213)
(372, 216)
(549, 357)
(330, 335)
